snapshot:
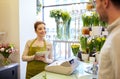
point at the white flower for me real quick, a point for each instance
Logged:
(6, 51)
(2, 49)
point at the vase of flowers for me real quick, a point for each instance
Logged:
(56, 14)
(99, 42)
(66, 18)
(75, 49)
(5, 51)
(84, 48)
(95, 19)
(5, 61)
(62, 19)
(96, 28)
(86, 24)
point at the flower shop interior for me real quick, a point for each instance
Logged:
(72, 27)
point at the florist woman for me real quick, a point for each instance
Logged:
(36, 63)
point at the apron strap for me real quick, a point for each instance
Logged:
(32, 43)
(45, 44)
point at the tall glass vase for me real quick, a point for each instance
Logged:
(5, 61)
(66, 29)
(58, 28)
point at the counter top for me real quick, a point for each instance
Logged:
(79, 73)
(8, 66)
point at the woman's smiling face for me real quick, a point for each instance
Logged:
(41, 30)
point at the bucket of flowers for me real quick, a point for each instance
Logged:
(75, 49)
(6, 50)
(99, 42)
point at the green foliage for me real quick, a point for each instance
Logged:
(91, 44)
(56, 13)
(65, 16)
(92, 19)
(75, 48)
(95, 19)
(83, 43)
(86, 20)
(103, 24)
(7, 49)
(99, 41)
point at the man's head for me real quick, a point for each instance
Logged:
(116, 3)
(108, 9)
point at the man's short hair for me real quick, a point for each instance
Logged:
(116, 3)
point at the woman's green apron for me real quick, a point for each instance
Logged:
(34, 67)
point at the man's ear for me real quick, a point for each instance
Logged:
(106, 3)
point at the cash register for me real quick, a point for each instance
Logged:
(63, 66)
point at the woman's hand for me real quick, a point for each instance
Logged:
(39, 58)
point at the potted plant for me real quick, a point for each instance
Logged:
(75, 49)
(95, 19)
(103, 25)
(84, 48)
(91, 49)
(86, 24)
(96, 29)
(86, 20)
(99, 42)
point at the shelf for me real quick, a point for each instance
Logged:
(2, 33)
(9, 71)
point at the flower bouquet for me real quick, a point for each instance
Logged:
(6, 50)
(56, 14)
(86, 20)
(99, 41)
(84, 48)
(84, 44)
(95, 19)
(61, 26)
(75, 48)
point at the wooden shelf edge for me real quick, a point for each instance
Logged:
(2, 33)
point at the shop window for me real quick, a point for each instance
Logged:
(75, 8)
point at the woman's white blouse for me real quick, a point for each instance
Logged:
(25, 56)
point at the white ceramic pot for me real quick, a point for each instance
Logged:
(96, 31)
(85, 57)
(91, 59)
